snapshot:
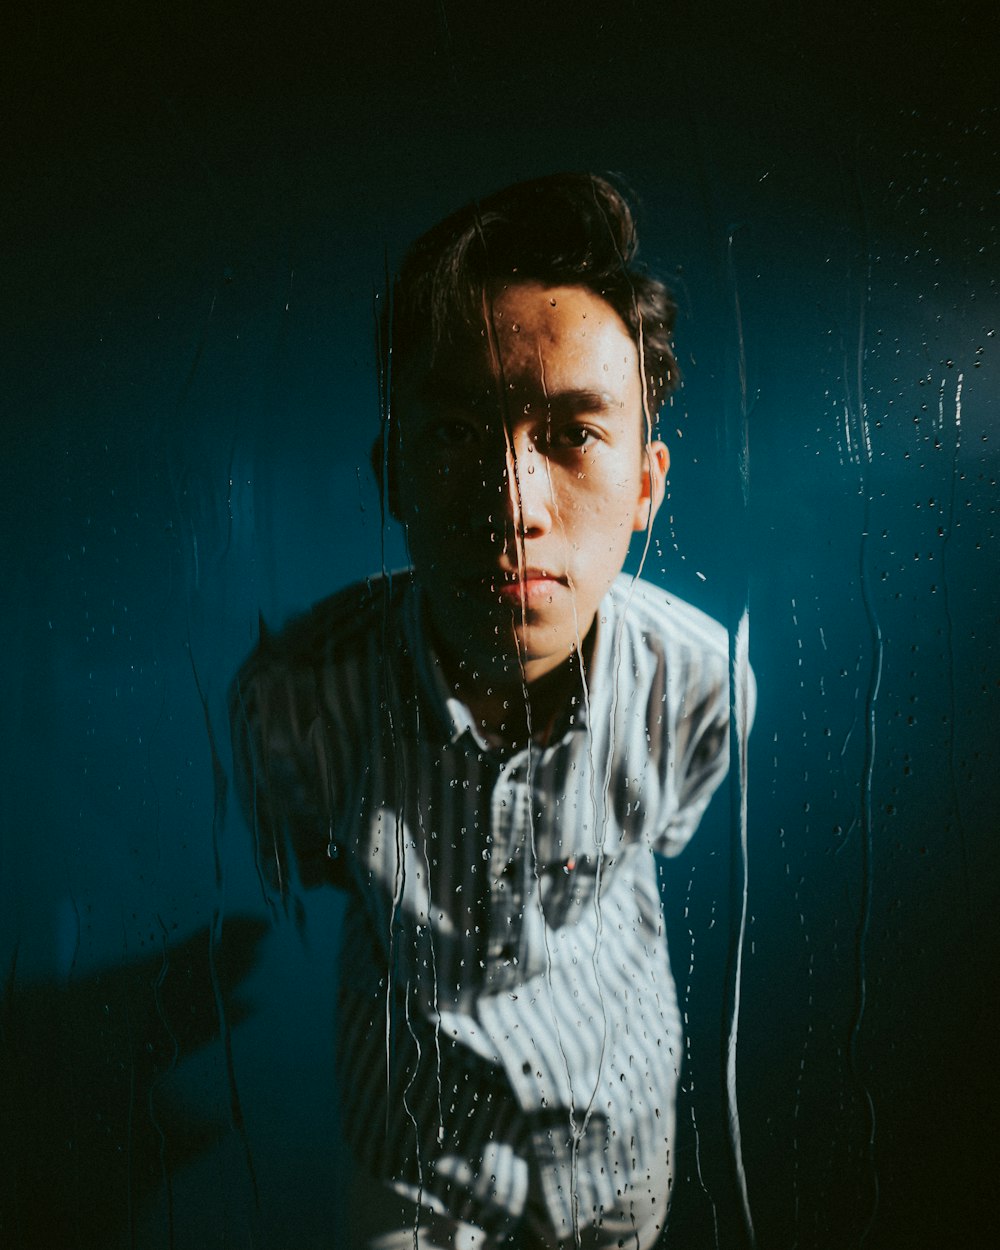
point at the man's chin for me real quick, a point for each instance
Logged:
(500, 647)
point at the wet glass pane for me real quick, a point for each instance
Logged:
(204, 213)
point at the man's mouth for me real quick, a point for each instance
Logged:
(512, 585)
(531, 585)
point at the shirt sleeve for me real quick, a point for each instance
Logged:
(701, 749)
(281, 772)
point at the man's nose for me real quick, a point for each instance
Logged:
(527, 487)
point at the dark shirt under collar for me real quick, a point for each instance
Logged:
(454, 715)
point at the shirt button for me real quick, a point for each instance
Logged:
(526, 1068)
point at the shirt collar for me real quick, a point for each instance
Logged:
(454, 714)
(451, 712)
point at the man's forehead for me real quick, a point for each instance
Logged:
(528, 338)
(456, 373)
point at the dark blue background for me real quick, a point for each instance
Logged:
(199, 205)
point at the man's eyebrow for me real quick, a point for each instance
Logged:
(563, 404)
(574, 400)
(450, 392)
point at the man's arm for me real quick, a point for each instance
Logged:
(701, 759)
(281, 770)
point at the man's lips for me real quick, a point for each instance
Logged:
(529, 587)
(511, 586)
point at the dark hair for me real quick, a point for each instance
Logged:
(562, 230)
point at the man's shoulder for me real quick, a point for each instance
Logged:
(334, 633)
(664, 620)
(339, 623)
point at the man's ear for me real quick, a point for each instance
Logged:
(656, 462)
(384, 468)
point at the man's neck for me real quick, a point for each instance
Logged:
(508, 708)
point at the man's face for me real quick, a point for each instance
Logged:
(524, 470)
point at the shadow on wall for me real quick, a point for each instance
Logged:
(90, 1128)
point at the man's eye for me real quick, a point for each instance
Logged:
(575, 435)
(453, 433)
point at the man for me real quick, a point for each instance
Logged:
(486, 751)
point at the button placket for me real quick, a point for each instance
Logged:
(510, 815)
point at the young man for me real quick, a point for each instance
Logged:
(486, 750)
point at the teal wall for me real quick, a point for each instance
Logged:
(199, 209)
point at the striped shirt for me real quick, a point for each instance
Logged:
(506, 1000)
